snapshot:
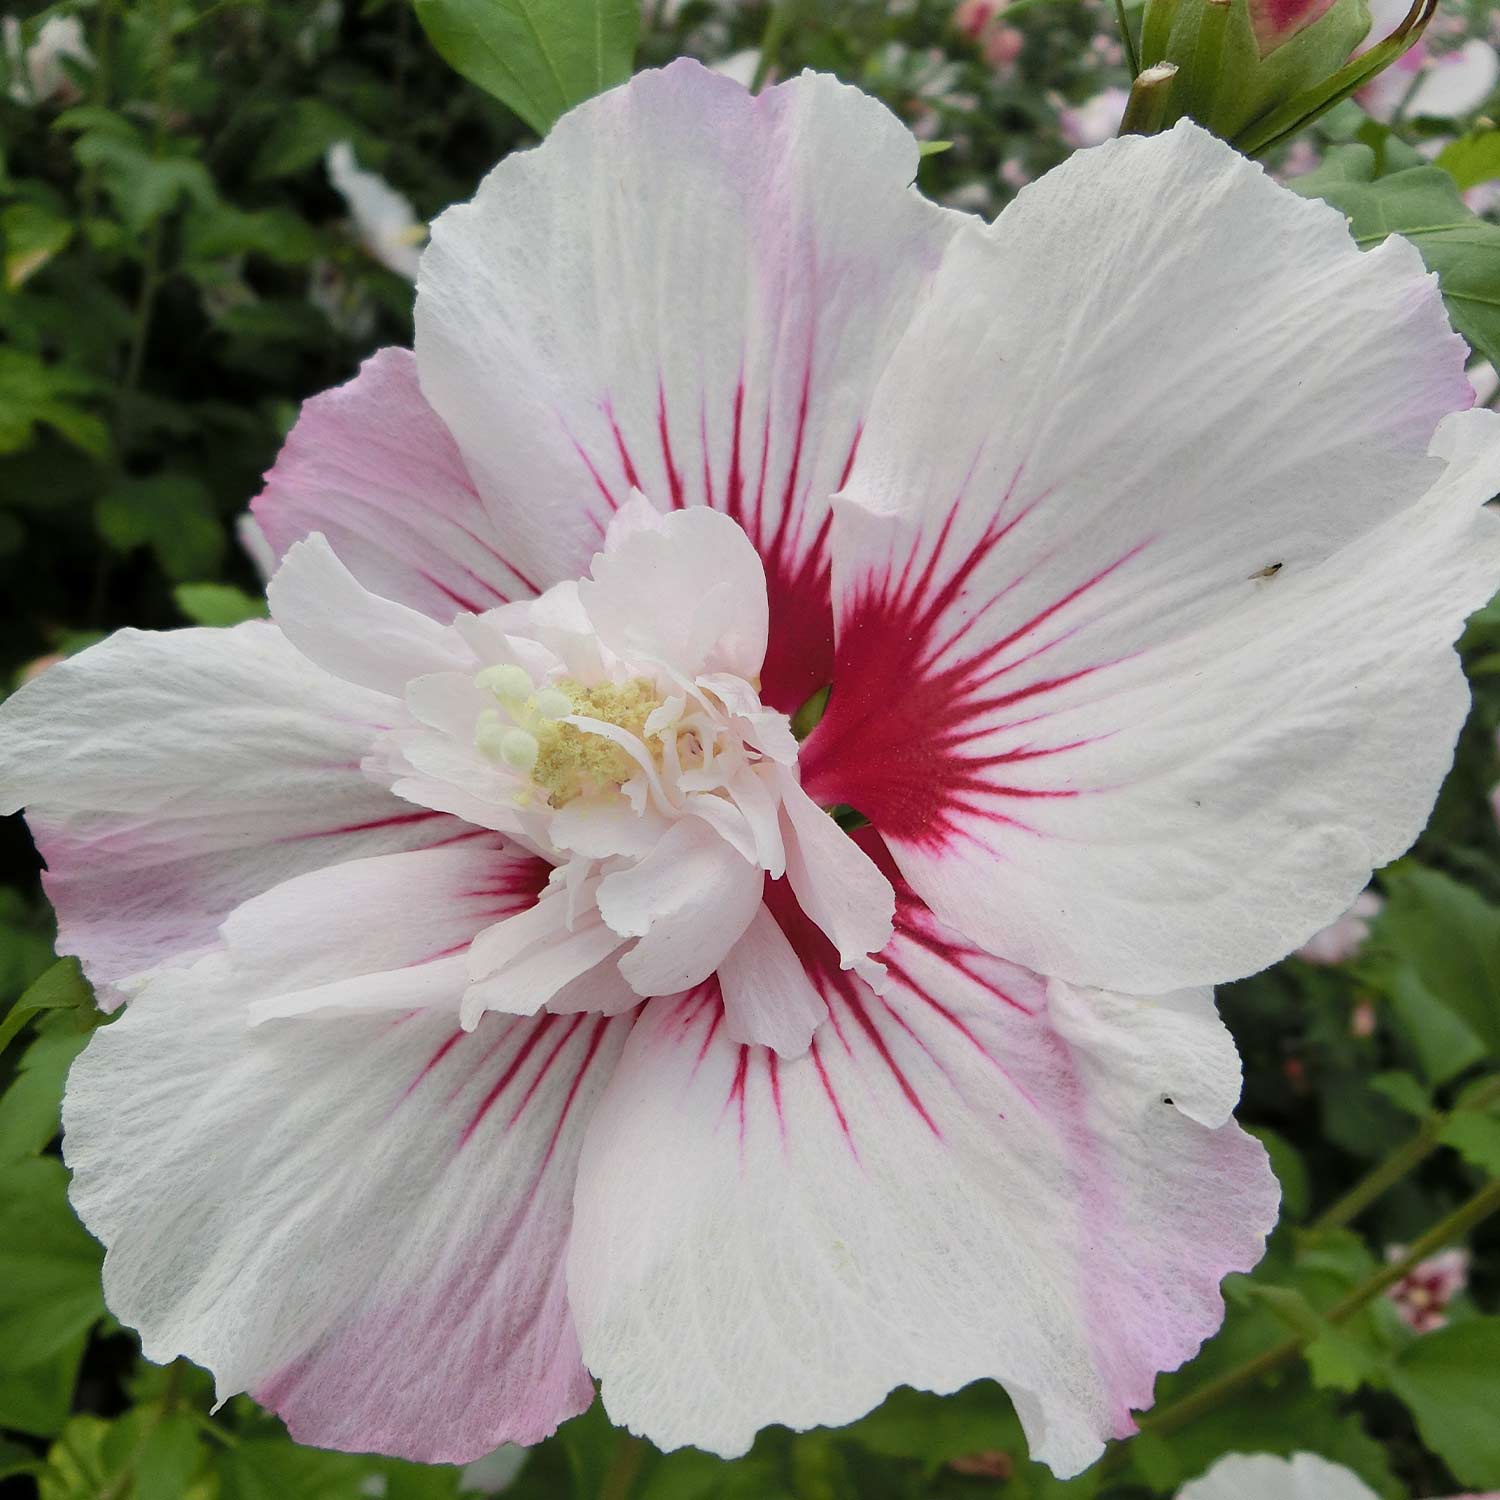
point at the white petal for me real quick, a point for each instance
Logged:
(520, 964)
(687, 901)
(358, 1221)
(601, 826)
(961, 1179)
(1145, 656)
(769, 731)
(330, 617)
(388, 227)
(836, 882)
(167, 778)
(1266, 1476)
(687, 291)
(691, 595)
(435, 985)
(769, 1000)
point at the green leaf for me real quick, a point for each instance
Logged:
(217, 603)
(689, 1475)
(144, 187)
(1423, 204)
(29, 1107)
(1450, 1379)
(76, 1466)
(49, 1266)
(404, 1481)
(591, 1445)
(539, 57)
(32, 236)
(1434, 952)
(1472, 159)
(62, 987)
(301, 133)
(1290, 1170)
(275, 1468)
(1286, 1417)
(16, 1458)
(34, 393)
(38, 1399)
(172, 514)
(165, 1459)
(1476, 1137)
(222, 230)
(935, 1429)
(1338, 1361)
(1405, 1092)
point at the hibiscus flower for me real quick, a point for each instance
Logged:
(776, 714)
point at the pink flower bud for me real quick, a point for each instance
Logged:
(1278, 21)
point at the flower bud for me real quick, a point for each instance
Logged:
(1239, 61)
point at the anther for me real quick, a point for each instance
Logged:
(508, 681)
(552, 703)
(519, 749)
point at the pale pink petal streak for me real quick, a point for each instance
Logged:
(371, 466)
(361, 1220)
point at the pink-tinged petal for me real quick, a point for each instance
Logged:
(345, 936)
(360, 1220)
(1303, 1476)
(971, 1175)
(521, 963)
(769, 998)
(372, 467)
(167, 778)
(1145, 713)
(1276, 21)
(688, 291)
(687, 902)
(690, 594)
(834, 879)
(333, 620)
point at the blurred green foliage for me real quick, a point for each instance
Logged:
(177, 273)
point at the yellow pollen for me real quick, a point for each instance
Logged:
(570, 761)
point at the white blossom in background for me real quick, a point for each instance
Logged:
(740, 66)
(1485, 381)
(1341, 940)
(1425, 82)
(1266, 1476)
(1095, 120)
(495, 1472)
(1423, 1294)
(510, 1000)
(37, 72)
(383, 218)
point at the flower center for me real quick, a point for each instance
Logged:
(562, 761)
